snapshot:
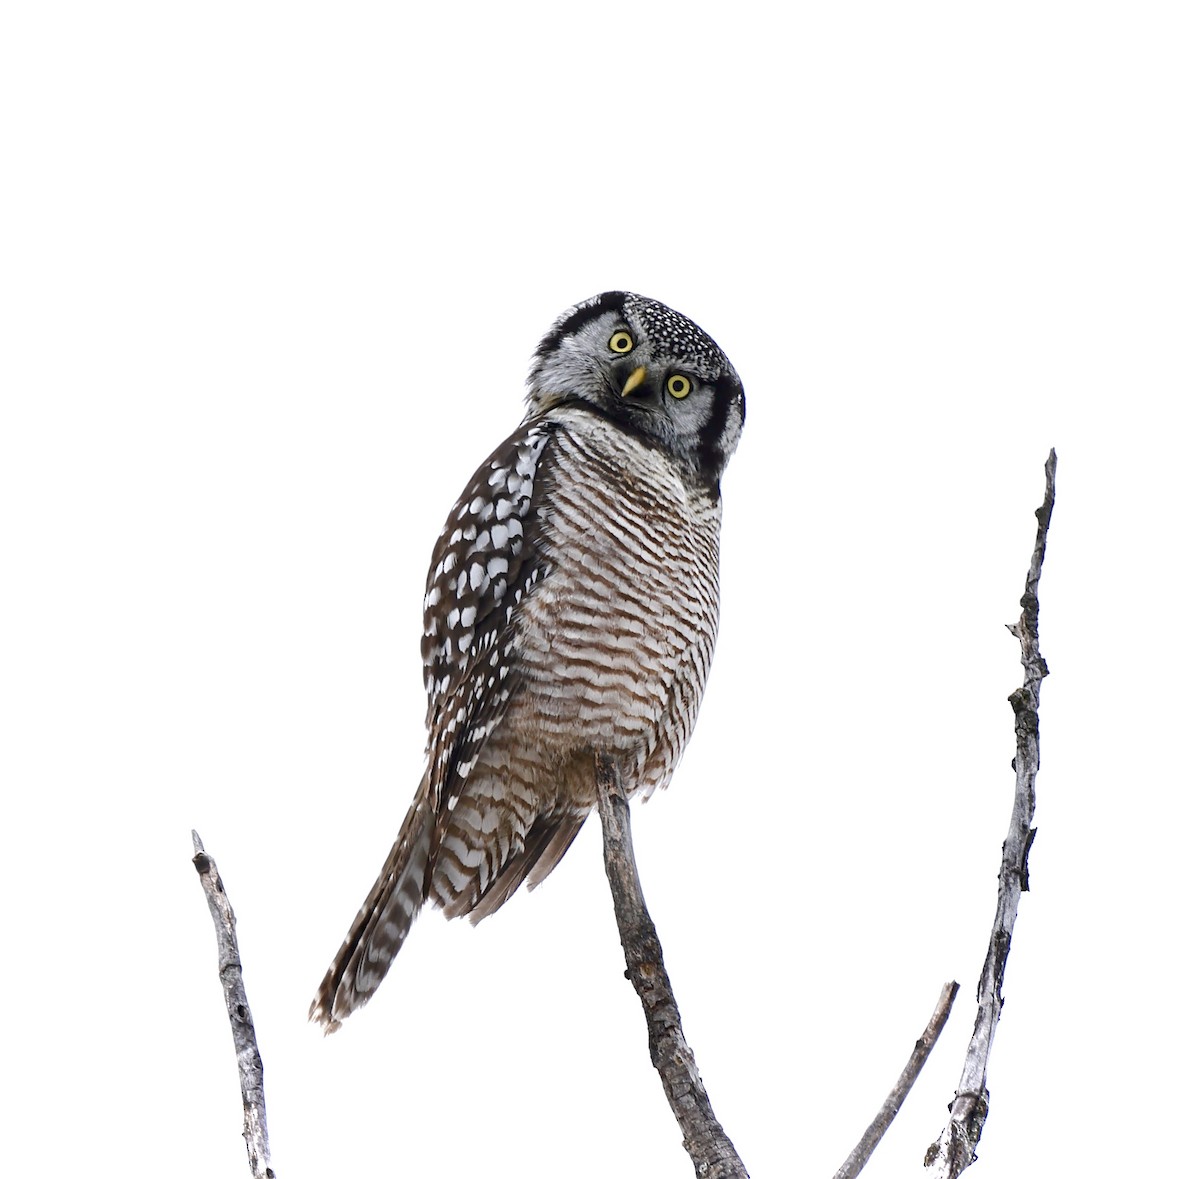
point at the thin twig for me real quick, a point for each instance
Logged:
(857, 1158)
(711, 1152)
(954, 1150)
(250, 1067)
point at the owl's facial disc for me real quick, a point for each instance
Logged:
(648, 369)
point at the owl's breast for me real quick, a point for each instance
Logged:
(615, 641)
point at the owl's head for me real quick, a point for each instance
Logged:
(649, 370)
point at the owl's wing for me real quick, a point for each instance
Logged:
(485, 561)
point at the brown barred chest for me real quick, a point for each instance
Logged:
(615, 643)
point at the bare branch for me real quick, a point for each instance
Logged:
(250, 1067)
(857, 1159)
(954, 1150)
(711, 1152)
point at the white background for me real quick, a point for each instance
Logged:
(271, 277)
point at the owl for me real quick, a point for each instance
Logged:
(570, 610)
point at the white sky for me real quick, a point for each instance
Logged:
(270, 278)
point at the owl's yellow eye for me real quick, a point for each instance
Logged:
(679, 386)
(621, 342)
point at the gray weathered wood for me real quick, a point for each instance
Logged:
(229, 964)
(858, 1157)
(707, 1144)
(954, 1150)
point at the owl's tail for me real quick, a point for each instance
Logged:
(382, 923)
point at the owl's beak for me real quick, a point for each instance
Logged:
(635, 379)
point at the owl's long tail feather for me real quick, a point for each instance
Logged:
(382, 923)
